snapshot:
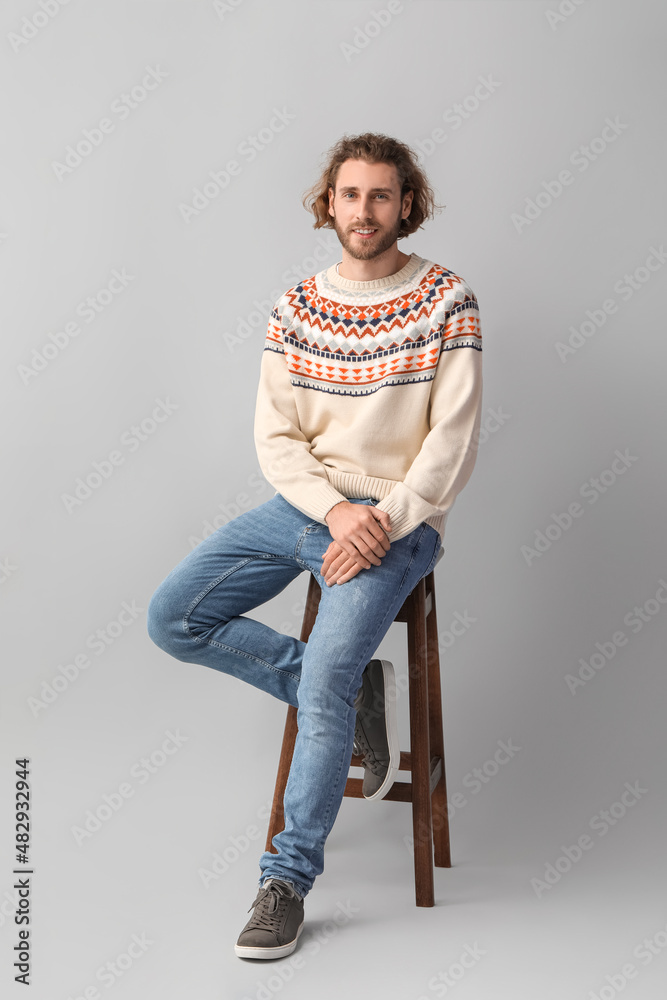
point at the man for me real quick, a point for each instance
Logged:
(366, 424)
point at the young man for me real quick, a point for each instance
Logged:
(366, 424)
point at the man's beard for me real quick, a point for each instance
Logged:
(377, 245)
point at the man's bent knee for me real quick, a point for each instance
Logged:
(165, 625)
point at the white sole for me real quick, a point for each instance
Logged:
(391, 720)
(279, 952)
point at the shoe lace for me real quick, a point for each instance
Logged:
(270, 903)
(362, 747)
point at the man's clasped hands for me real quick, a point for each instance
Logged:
(360, 538)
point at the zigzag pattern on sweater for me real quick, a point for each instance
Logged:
(356, 349)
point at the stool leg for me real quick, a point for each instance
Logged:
(277, 818)
(439, 804)
(419, 748)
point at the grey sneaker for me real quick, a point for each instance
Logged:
(376, 729)
(274, 928)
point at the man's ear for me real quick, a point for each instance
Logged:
(331, 200)
(408, 201)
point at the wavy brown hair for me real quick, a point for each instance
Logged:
(374, 148)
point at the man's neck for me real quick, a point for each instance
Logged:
(390, 262)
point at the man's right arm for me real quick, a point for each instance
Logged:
(283, 450)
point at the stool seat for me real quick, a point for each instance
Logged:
(427, 787)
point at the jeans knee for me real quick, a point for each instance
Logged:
(164, 623)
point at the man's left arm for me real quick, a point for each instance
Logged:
(447, 456)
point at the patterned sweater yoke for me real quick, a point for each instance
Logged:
(372, 389)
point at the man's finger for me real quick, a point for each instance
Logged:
(333, 559)
(345, 572)
(382, 518)
(373, 541)
(334, 572)
(356, 554)
(341, 568)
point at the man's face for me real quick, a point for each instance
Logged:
(367, 197)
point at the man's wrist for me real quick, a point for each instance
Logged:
(331, 508)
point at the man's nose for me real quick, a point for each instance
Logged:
(364, 208)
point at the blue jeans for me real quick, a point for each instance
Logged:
(198, 615)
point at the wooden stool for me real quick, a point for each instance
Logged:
(426, 760)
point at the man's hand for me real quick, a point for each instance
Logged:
(337, 566)
(360, 540)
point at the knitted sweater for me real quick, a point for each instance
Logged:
(372, 389)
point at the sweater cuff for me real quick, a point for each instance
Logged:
(320, 500)
(406, 510)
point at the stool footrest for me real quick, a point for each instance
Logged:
(404, 765)
(400, 791)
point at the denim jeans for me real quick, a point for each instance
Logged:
(198, 615)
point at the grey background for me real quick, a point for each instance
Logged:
(170, 335)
